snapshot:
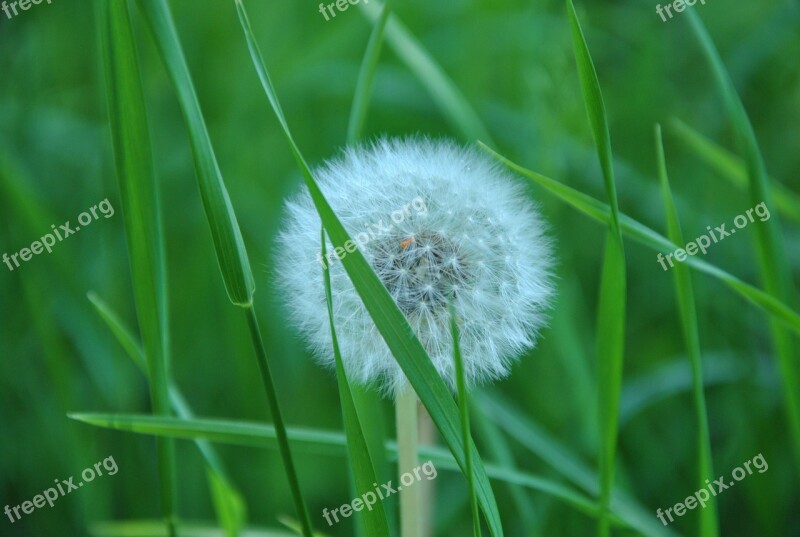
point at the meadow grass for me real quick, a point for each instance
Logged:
(655, 433)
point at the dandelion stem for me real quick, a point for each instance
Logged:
(277, 419)
(407, 443)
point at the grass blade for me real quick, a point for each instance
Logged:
(500, 451)
(388, 318)
(772, 261)
(732, 168)
(368, 403)
(611, 308)
(463, 406)
(561, 457)
(330, 443)
(366, 76)
(277, 418)
(225, 232)
(375, 522)
(231, 509)
(453, 104)
(654, 240)
(685, 293)
(141, 213)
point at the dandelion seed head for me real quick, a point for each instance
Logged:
(437, 222)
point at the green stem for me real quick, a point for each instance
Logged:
(466, 436)
(277, 419)
(407, 444)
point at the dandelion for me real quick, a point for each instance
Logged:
(437, 222)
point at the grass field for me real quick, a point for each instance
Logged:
(148, 147)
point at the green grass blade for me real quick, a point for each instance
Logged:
(499, 450)
(388, 318)
(463, 406)
(225, 232)
(445, 93)
(611, 307)
(231, 508)
(366, 76)
(654, 240)
(149, 528)
(561, 457)
(277, 418)
(772, 261)
(141, 213)
(331, 443)
(732, 168)
(124, 336)
(368, 403)
(684, 291)
(375, 522)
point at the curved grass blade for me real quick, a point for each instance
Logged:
(772, 260)
(231, 508)
(319, 442)
(368, 403)
(685, 294)
(366, 76)
(463, 406)
(499, 450)
(611, 307)
(732, 168)
(529, 434)
(388, 318)
(141, 212)
(445, 93)
(228, 244)
(375, 522)
(654, 240)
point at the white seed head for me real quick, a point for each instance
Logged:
(437, 222)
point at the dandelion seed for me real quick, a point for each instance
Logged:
(468, 233)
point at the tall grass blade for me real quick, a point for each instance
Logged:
(388, 318)
(685, 293)
(644, 235)
(369, 405)
(567, 463)
(463, 406)
(141, 213)
(611, 307)
(445, 93)
(231, 509)
(732, 168)
(277, 418)
(375, 522)
(499, 450)
(366, 77)
(228, 244)
(225, 232)
(772, 260)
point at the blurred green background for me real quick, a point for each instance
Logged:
(513, 61)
